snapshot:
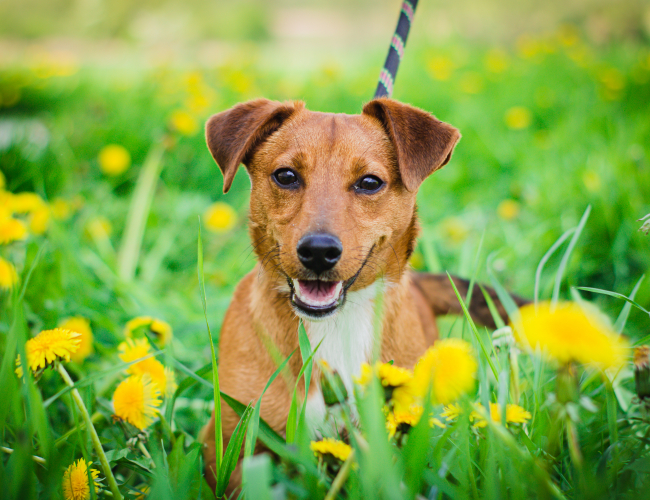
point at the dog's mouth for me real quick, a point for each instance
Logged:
(317, 299)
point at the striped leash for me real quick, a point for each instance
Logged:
(396, 50)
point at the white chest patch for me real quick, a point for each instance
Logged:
(347, 342)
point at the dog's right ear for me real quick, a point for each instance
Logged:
(235, 134)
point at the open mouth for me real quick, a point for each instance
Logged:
(317, 298)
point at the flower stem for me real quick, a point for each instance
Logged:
(110, 479)
(9, 451)
(340, 478)
(146, 453)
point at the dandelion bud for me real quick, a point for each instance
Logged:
(332, 386)
(642, 371)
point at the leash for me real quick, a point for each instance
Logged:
(396, 50)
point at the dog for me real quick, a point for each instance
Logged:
(333, 222)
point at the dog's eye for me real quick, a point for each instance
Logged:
(369, 184)
(285, 177)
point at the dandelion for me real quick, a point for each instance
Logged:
(515, 414)
(402, 421)
(496, 61)
(114, 159)
(39, 220)
(220, 217)
(441, 67)
(183, 122)
(471, 82)
(99, 228)
(81, 326)
(48, 347)
(393, 376)
(160, 329)
(448, 370)
(24, 203)
(397, 384)
(134, 349)
(455, 229)
(331, 447)
(508, 209)
(518, 117)
(11, 230)
(592, 181)
(451, 412)
(8, 275)
(570, 333)
(136, 400)
(61, 209)
(75, 481)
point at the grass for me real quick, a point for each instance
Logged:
(550, 126)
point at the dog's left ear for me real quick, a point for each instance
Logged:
(422, 143)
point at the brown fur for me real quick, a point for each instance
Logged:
(399, 144)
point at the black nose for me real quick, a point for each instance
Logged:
(319, 252)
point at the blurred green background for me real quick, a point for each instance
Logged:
(551, 99)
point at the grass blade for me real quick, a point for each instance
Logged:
(622, 318)
(218, 433)
(233, 451)
(473, 327)
(547, 256)
(251, 435)
(567, 254)
(613, 294)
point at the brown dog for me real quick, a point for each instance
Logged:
(332, 213)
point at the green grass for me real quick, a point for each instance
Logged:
(585, 145)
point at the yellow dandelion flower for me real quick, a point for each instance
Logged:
(143, 492)
(405, 419)
(496, 61)
(75, 481)
(81, 326)
(454, 229)
(183, 122)
(365, 376)
(8, 275)
(133, 349)
(99, 228)
(328, 446)
(160, 329)
(571, 333)
(471, 82)
(136, 400)
(451, 412)
(448, 370)
(39, 220)
(61, 209)
(441, 67)
(592, 181)
(393, 376)
(11, 230)
(612, 79)
(114, 159)
(24, 203)
(220, 217)
(518, 117)
(49, 346)
(515, 414)
(508, 209)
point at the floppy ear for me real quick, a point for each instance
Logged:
(422, 143)
(235, 134)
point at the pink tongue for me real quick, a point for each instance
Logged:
(317, 290)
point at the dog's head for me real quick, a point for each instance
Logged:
(333, 196)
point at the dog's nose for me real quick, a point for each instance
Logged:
(319, 252)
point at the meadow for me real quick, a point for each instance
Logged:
(111, 209)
